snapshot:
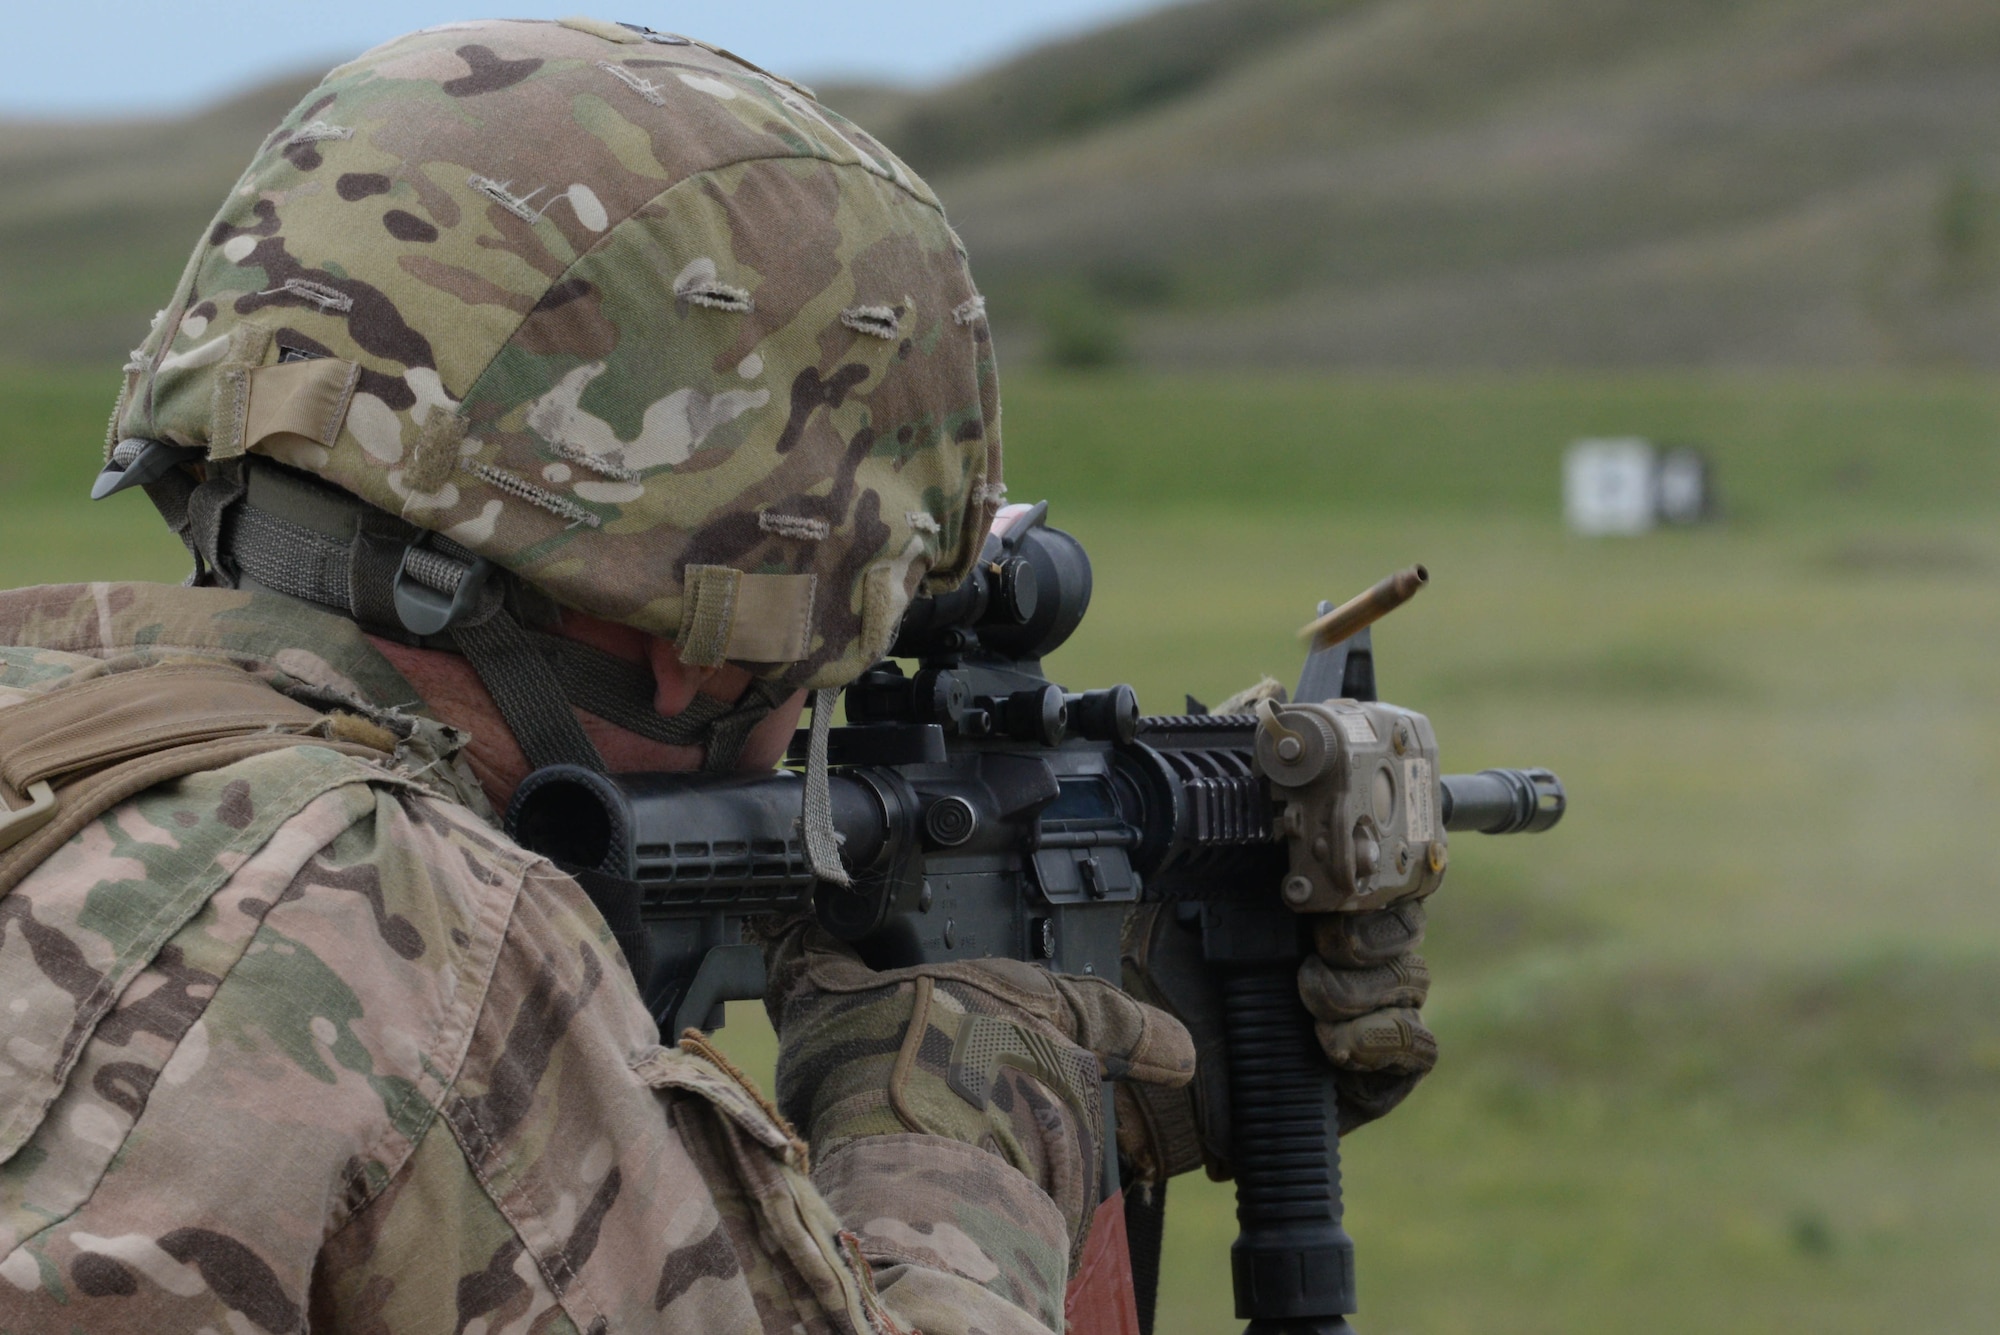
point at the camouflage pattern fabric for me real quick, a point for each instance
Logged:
(994, 1055)
(300, 1042)
(76, 631)
(604, 307)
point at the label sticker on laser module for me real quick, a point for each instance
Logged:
(1359, 728)
(1420, 799)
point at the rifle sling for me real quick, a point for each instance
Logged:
(1145, 1232)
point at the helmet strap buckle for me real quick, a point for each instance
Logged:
(433, 591)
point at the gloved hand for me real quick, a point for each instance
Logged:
(1363, 984)
(994, 1053)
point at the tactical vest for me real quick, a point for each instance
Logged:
(77, 748)
(74, 751)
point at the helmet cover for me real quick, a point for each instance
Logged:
(620, 312)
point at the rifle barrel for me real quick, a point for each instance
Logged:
(1503, 801)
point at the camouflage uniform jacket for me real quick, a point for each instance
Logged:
(303, 1042)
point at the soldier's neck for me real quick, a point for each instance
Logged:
(456, 696)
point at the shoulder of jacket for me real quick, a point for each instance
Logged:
(261, 631)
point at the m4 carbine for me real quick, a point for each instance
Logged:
(983, 811)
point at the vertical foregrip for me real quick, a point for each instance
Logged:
(1292, 1263)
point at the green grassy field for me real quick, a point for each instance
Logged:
(1722, 1052)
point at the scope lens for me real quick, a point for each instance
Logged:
(1021, 589)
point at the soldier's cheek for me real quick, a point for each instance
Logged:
(768, 740)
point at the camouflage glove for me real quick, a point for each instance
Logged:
(993, 1053)
(1364, 985)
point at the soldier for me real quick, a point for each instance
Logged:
(543, 392)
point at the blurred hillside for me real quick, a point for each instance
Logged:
(96, 220)
(1498, 182)
(1406, 183)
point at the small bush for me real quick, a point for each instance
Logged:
(1080, 332)
(1966, 225)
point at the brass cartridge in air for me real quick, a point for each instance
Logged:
(1366, 608)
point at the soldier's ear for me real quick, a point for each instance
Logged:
(679, 681)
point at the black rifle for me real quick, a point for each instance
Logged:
(983, 811)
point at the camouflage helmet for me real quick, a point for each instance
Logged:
(613, 310)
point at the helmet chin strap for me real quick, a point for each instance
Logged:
(535, 678)
(251, 523)
(816, 823)
(527, 690)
